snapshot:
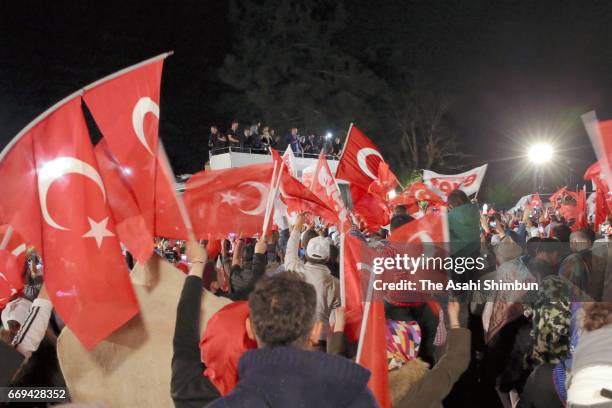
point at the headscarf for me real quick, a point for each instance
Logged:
(403, 341)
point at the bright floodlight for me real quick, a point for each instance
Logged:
(328, 135)
(540, 153)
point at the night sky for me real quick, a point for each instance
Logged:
(518, 71)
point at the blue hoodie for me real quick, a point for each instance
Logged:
(289, 377)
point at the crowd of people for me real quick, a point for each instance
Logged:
(257, 138)
(281, 342)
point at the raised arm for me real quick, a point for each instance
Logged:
(292, 260)
(188, 386)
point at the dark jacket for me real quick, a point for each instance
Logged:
(243, 280)
(188, 386)
(288, 377)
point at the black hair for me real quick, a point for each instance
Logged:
(282, 310)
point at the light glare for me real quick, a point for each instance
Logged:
(540, 153)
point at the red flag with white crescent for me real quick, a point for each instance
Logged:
(233, 200)
(131, 226)
(416, 193)
(359, 166)
(126, 110)
(12, 261)
(360, 159)
(85, 273)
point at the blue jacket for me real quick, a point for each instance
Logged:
(288, 377)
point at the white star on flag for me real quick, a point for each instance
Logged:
(231, 197)
(98, 231)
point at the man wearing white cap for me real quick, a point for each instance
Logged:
(314, 271)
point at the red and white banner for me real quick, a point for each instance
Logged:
(234, 200)
(443, 184)
(125, 107)
(324, 186)
(289, 160)
(296, 197)
(603, 197)
(54, 196)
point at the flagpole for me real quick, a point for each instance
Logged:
(169, 173)
(274, 186)
(269, 199)
(342, 284)
(126, 70)
(364, 319)
(37, 120)
(73, 95)
(348, 134)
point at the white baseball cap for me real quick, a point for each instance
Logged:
(318, 248)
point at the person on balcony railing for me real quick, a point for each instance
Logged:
(266, 138)
(293, 140)
(336, 148)
(216, 139)
(233, 136)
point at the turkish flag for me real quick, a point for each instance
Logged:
(373, 353)
(360, 160)
(535, 200)
(234, 200)
(385, 182)
(324, 186)
(359, 166)
(298, 198)
(358, 261)
(372, 211)
(85, 273)
(131, 226)
(581, 210)
(11, 277)
(432, 227)
(557, 198)
(12, 264)
(11, 241)
(126, 110)
(416, 193)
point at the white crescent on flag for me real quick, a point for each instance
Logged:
(56, 169)
(263, 192)
(143, 106)
(362, 156)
